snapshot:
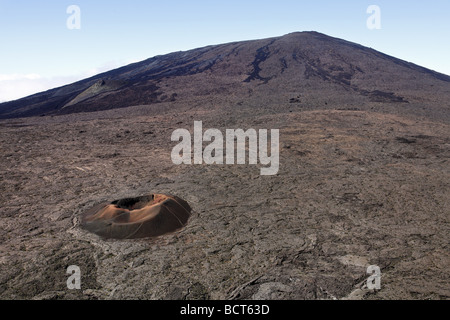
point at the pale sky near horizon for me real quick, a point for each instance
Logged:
(40, 52)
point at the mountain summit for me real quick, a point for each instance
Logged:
(299, 68)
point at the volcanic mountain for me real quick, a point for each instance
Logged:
(305, 68)
(88, 179)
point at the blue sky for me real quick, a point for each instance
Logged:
(39, 51)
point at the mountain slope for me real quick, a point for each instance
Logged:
(277, 70)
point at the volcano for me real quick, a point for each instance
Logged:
(298, 68)
(362, 179)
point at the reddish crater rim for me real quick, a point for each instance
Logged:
(146, 216)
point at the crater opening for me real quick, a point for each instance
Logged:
(141, 217)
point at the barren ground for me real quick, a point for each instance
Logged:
(355, 188)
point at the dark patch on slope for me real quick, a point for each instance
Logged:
(332, 73)
(261, 55)
(284, 65)
(381, 96)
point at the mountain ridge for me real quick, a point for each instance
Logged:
(320, 59)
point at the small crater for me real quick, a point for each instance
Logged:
(381, 96)
(141, 217)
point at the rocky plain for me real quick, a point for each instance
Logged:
(363, 177)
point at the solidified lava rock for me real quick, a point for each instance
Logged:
(141, 217)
